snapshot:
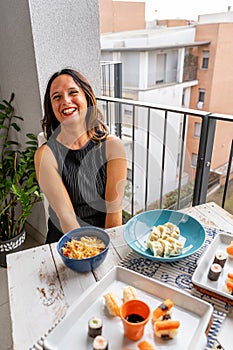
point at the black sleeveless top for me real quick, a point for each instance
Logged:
(83, 173)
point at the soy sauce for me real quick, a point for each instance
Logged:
(134, 318)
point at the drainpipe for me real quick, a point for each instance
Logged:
(118, 94)
(204, 159)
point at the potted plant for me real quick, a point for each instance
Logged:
(19, 190)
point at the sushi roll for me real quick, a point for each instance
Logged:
(229, 286)
(214, 272)
(163, 311)
(129, 293)
(229, 250)
(112, 304)
(166, 329)
(100, 343)
(144, 345)
(230, 276)
(95, 325)
(220, 258)
(229, 283)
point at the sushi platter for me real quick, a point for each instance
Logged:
(209, 278)
(72, 333)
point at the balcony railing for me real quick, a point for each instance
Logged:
(161, 173)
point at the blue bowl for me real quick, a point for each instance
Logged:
(138, 229)
(88, 264)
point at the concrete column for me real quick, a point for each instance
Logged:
(143, 72)
(37, 38)
(180, 65)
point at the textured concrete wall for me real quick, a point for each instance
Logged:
(66, 33)
(37, 38)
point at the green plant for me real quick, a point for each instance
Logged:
(19, 190)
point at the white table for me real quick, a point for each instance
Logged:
(41, 288)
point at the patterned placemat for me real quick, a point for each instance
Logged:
(179, 274)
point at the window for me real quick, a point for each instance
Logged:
(160, 68)
(197, 130)
(201, 99)
(194, 160)
(205, 59)
(201, 95)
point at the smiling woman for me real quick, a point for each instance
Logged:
(81, 168)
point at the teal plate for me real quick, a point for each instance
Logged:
(138, 229)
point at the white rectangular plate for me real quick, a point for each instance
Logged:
(72, 332)
(225, 335)
(200, 276)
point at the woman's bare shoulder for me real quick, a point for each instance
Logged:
(115, 146)
(113, 139)
(43, 152)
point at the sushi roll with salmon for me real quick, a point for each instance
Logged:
(230, 276)
(214, 272)
(229, 283)
(100, 343)
(166, 329)
(112, 305)
(144, 345)
(229, 250)
(229, 287)
(163, 311)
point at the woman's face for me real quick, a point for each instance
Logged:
(68, 100)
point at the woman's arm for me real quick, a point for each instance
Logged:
(52, 186)
(116, 178)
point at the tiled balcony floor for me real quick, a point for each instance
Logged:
(5, 321)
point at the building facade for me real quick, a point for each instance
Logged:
(118, 16)
(155, 70)
(214, 91)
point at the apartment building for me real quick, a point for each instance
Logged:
(186, 66)
(214, 91)
(155, 70)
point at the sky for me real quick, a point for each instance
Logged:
(183, 9)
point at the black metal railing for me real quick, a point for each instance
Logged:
(143, 127)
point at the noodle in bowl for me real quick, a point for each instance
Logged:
(87, 246)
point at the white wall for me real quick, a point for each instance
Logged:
(216, 17)
(37, 38)
(144, 38)
(165, 96)
(170, 95)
